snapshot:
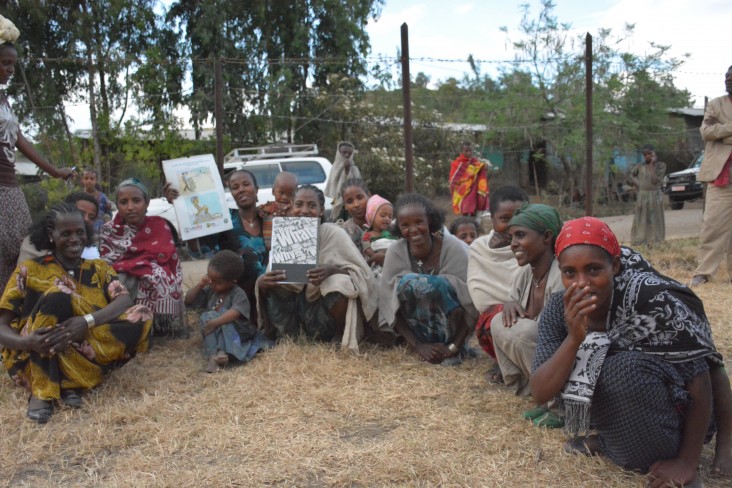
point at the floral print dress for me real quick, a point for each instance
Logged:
(41, 293)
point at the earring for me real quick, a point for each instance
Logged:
(51, 239)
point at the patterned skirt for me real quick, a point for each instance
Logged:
(16, 220)
(426, 301)
(638, 408)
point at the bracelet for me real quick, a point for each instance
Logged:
(452, 348)
(90, 322)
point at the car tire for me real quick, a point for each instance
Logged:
(677, 204)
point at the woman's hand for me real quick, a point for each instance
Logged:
(65, 173)
(67, 332)
(577, 304)
(37, 341)
(169, 192)
(270, 279)
(670, 472)
(318, 275)
(432, 353)
(511, 313)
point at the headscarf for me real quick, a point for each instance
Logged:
(8, 31)
(538, 217)
(587, 230)
(137, 184)
(373, 206)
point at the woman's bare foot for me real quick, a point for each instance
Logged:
(222, 359)
(494, 375)
(722, 464)
(212, 366)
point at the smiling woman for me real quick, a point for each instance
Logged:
(533, 230)
(423, 294)
(335, 302)
(65, 320)
(13, 207)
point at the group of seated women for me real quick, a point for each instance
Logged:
(619, 354)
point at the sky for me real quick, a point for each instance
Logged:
(452, 30)
(442, 29)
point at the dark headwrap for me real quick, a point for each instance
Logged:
(538, 217)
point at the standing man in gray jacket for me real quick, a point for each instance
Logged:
(716, 130)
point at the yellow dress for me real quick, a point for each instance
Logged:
(42, 294)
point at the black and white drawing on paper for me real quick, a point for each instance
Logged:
(294, 240)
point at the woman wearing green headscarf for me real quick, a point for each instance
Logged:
(533, 230)
(142, 251)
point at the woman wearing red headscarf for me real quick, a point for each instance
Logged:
(630, 353)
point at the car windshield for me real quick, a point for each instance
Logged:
(698, 162)
(308, 172)
(264, 173)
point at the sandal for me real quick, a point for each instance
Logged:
(549, 420)
(535, 413)
(42, 412)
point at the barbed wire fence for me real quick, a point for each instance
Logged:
(481, 132)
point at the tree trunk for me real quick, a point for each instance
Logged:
(93, 114)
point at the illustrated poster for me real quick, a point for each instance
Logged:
(294, 246)
(201, 207)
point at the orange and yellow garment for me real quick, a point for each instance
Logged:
(468, 186)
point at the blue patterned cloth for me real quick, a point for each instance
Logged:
(252, 248)
(426, 301)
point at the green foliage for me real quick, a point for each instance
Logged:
(41, 195)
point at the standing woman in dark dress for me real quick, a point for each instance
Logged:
(14, 211)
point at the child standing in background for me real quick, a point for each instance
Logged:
(467, 229)
(89, 182)
(283, 189)
(227, 330)
(375, 242)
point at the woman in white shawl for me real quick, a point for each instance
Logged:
(343, 169)
(327, 307)
(423, 295)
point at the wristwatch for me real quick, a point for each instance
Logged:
(452, 348)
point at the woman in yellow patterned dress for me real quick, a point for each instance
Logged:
(64, 320)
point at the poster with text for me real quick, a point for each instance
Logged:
(201, 205)
(294, 246)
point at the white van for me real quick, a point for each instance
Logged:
(265, 163)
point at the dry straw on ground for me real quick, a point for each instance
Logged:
(307, 415)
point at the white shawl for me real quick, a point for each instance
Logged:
(491, 272)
